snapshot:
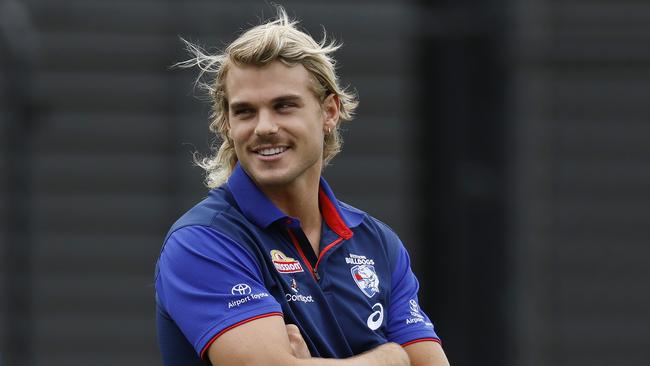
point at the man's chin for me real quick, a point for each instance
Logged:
(271, 179)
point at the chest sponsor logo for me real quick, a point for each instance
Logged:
(359, 259)
(285, 264)
(299, 298)
(376, 318)
(245, 291)
(366, 279)
(294, 285)
(296, 296)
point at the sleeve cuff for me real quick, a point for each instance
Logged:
(437, 340)
(244, 321)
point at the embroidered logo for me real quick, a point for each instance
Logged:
(294, 285)
(416, 314)
(376, 317)
(285, 264)
(415, 309)
(244, 291)
(240, 289)
(296, 296)
(366, 278)
(359, 259)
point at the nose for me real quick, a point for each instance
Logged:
(266, 124)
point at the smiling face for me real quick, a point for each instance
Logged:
(277, 124)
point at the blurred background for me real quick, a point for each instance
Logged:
(507, 142)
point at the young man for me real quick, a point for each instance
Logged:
(271, 269)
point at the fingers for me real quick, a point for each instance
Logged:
(292, 329)
(298, 345)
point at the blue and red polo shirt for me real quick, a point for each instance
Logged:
(235, 257)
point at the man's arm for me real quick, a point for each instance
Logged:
(265, 342)
(426, 354)
(420, 353)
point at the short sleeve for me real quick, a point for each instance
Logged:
(407, 323)
(208, 284)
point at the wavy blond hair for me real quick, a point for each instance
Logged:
(278, 39)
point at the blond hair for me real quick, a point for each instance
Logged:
(278, 39)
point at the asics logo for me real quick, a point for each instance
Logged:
(376, 318)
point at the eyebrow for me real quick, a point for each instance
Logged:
(287, 98)
(282, 98)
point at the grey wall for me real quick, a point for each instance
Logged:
(582, 143)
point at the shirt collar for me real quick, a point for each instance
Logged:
(261, 211)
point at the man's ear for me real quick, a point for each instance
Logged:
(228, 129)
(331, 112)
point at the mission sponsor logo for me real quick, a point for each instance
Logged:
(285, 264)
(359, 259)
(242, 289)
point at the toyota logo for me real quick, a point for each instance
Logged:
(241, 289)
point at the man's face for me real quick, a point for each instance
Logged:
(277, 124)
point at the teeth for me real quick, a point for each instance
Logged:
(271, 151)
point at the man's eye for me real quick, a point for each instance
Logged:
(243, 111)
(285, 105)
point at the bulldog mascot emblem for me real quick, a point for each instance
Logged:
(366, 278)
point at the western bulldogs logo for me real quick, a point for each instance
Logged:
(366, 278)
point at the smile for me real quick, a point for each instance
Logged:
(270, 151)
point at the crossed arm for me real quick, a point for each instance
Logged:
(267, 341)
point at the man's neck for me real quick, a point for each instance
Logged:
(300, 200)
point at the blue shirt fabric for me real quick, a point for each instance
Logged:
(235, 257)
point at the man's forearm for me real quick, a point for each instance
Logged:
(268, 341)
(389, 354)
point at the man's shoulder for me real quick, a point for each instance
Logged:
(364, 217)
(217, 210)
(377, 235)
(204, 212)
(369, 221)
(351, 210)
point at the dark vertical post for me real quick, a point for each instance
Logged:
(16, 45)
(462, 138)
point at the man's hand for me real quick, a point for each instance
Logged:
(268, 341)
(298, 345)
(388, 354)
